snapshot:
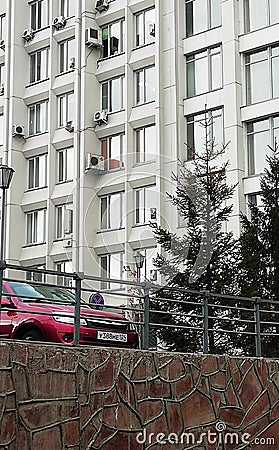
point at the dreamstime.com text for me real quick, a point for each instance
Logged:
(219, 436)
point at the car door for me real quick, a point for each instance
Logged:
(6, 316)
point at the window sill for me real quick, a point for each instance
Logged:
(144, 103)
(106, 58)
(143, 46)
(203, 31)
(39, 188)
(107, 230)
(35, 83)
(63, 182)
(64, 73)
(143, 163)
(35, 244)
(203, 93)
(37, 134)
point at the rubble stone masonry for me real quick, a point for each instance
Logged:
(60, 397)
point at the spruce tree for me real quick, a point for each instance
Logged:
(205, 258)
(260, 252)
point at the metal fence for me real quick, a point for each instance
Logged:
(168, 318)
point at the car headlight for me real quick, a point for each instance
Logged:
(70, 320)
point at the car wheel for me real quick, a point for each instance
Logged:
(32, 335)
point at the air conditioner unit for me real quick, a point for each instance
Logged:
(100, 117)
(96, 162)
(18, 130)
(153, 213)
(151, 28)
(28, 34)
(69, 126)
(93, 37)
(2, 89)
(67, 243)
(59, 22)
(72, 63)
(101, 5)
(2, 44)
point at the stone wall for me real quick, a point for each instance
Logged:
(58, 397)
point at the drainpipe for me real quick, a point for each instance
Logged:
(77, 193)
(7, 93)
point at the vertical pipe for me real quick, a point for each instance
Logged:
(2, 237)
(146, 319)
(77, 309)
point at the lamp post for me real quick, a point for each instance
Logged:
(139, 259)
(6, 175)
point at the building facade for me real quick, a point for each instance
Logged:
(98, 101)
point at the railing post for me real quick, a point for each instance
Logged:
(145, 343)
(205, 337)
(77, 308)
(257, 317)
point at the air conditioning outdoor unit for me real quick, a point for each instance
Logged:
(101, 117)
(67, 243)
(93, 37)
(152, 29)
(72, 63)
(96, 162)
(28, 34)
(18, 130)
(59, 22)
(69, 126)
(101, 5)
(2, 44)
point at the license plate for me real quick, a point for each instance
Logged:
(108, 336)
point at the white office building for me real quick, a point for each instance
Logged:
(97, 102)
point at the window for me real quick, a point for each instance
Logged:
(1, 129)
(145, 85)
(112, 94)
(64, 221)
(111, 266)
(204, 71)
(36, 276)
(196, 132)
(39, 65)
(37, 171)
(65, 164)
(112, 211)
(145, 27)
(64, 267)
(38, 118)
(39, 14)
(145, 143)
(67, 50)
(2, 78)
(66, 109)
(202, 15)
(258, 139)
(145, 204)
(35, 226)
(3, 27)
(260, 13)
(68, 8)
(261, 67)
(112, 150)
(113, 39)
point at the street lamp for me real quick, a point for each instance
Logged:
(139, 259)
(6, 175)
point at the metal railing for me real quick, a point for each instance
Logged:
(167, 318)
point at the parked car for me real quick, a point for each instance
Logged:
(45, 313)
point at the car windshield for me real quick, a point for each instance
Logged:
(55, 293)
(26, 290)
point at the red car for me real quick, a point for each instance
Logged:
(45, 313)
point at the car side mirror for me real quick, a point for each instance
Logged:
(5, 302)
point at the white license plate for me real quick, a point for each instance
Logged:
(108, 336)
